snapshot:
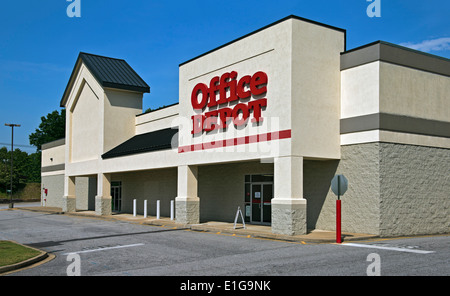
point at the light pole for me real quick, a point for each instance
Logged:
(12, 125)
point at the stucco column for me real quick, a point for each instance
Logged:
(187, 202)
(103, 197)
(288, 204)
(69, 199)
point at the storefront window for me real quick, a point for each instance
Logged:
(247, 192)
(262, 178)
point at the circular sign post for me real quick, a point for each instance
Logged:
(339, 185)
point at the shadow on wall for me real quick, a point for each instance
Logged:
(317, 176)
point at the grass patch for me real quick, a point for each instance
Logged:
(11, 253)
(30, 191)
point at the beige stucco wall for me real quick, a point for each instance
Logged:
(83, 129)
(97, 120)
(315, 87)
(150, 185)
(268, 51)
(85, 122)
(411, 92)
(157, 120)
(120, 110)
(52, 175)
(388, 88)
(303, 81)
(53, 156)
(360, 90)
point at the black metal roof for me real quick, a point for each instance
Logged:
(148, 142)
(109, 72)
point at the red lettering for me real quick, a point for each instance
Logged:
(222, 90)
(233, 86)
(213, 87)
(256, 106)
(210, 122)
(238, 121)
(242, 94)
(258, 79)
(194, 97)
(197, 123)
(225, 115)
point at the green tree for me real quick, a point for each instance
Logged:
(52, 127)
(34, 168)
(21, 169)
(4, 169)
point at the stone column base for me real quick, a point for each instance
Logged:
(289, 216)
(187, 210)
(69, 204)
(103, 205)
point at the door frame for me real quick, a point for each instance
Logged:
(117, 187)
(261, 208)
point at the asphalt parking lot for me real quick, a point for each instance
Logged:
(122, 248)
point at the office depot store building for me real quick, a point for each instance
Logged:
(264, 123)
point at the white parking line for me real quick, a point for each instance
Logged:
(388, 248)
(103, 249)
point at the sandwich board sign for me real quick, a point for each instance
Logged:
(339, 185)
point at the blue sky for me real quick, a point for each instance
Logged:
(39, 43)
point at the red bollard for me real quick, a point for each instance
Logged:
(338, 221)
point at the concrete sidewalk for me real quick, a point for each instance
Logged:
(250, 230)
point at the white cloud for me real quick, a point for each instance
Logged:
(438, 44)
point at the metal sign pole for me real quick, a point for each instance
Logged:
(339, 185)
(338, 221)
(11, 205)
(12, 125)
(338, 212)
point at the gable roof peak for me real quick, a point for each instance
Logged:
(109, 72)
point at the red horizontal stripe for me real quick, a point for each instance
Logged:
(285, 134)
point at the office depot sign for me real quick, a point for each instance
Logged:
(220, 95)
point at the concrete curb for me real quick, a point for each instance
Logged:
(13, 267)
(49, 210)
(215, 227)
(240, 231)
(308, 238)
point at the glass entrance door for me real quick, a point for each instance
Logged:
(261, 210)
(116, 196)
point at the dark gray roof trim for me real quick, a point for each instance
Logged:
(396, 123)
(53, 168)
(52, 144)
(395, 54)
(109, 72)
(153, 141)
